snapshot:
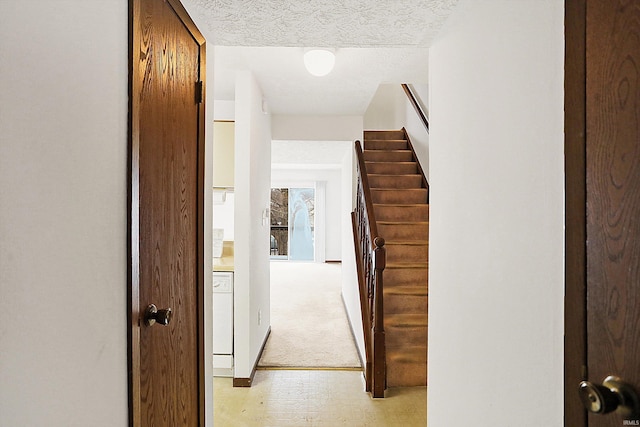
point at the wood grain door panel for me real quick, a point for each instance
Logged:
(613, 193)
(602, 167)
(166, 215)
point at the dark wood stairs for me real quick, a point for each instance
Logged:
(400, 203)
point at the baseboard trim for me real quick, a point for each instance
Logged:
(246, 382)
(353, 334)
(243, 382)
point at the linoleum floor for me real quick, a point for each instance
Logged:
(281, 398)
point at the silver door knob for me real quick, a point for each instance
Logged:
(612, 395)
(153, 315)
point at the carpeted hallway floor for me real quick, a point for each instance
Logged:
(309, 326)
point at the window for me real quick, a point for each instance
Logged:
(293, 223)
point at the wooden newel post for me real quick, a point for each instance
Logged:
(379, 353)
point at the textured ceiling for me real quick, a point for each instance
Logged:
(290, 89)
(376, 41)
(335, 23)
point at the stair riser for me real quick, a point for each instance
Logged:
(403, 231)
(388, 156)
(402, 213)
(383, 134)
(405, 276)
(404, 196)
(395, 181)
(398, 303)
(398, 338)
(407, 374)
(392, 168)
(385, 144)
(407, 253)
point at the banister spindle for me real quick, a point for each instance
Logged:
(371, 260)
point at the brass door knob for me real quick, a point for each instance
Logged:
(153, 315)
(612, 395)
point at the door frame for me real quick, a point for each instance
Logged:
(575, 303)
(133, 210)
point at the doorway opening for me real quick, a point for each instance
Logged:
(310, 198)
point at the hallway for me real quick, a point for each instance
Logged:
(309, 325)
(315, 398)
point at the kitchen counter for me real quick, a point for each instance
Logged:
(225, 262)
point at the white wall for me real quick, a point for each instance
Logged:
(224, 110)
(252, 197)
(317, 128)
(63, 217)
(496, 241)
(387, 108)
(350, 291)
(333, 209)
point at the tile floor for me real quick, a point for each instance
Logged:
(325, 398)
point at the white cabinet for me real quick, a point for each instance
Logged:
(223, 323)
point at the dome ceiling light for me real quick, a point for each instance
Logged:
(319, 62)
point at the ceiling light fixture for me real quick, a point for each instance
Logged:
(319, 62)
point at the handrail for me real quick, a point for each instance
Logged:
(371, 257)
(416, 105)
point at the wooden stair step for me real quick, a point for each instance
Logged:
(394, 181)
(401, 212)
(421, 242)
(407, 368)
(411, 289)
(392, 168)
(399, 196)
(392, 230)
(398, 338)
(385, 144)
(403, 303)
(388, 155)
(406, 320)
(408, 251)
(407, 265)
(414, 353)
(384, 134)
(399, 274)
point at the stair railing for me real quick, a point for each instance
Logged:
(370, 261)
(416, 105)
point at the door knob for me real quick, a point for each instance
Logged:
(613, 394)
(153, 315)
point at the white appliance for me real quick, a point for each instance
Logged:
(223, 324)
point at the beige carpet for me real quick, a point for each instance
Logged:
(309, 326)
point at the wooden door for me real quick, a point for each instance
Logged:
(167, 193)
(603, 201)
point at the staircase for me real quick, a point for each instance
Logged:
(399, 197)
